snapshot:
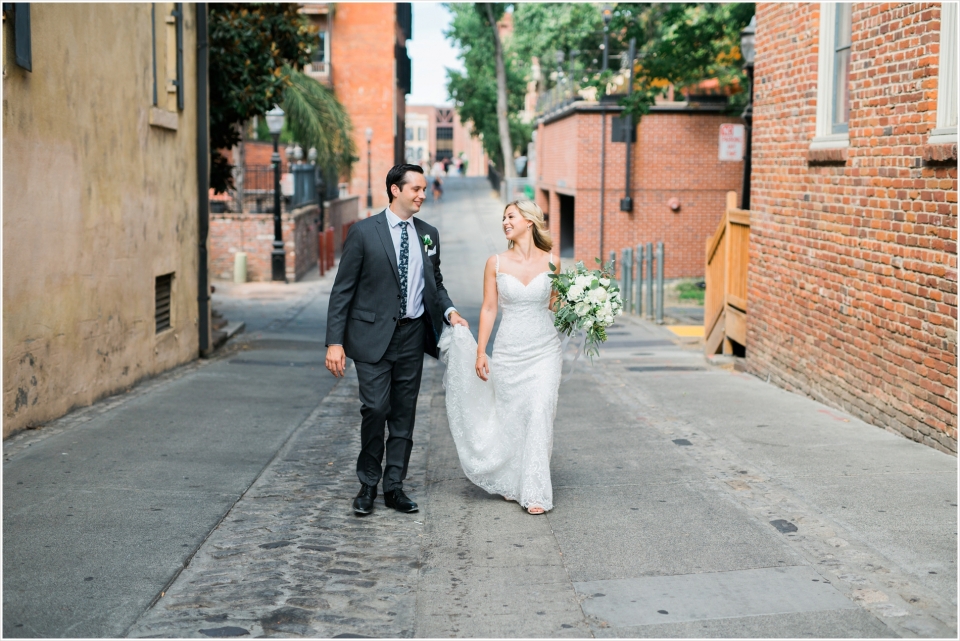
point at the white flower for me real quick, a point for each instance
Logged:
(604, 281)
(582, 309)
(597, 296)
(574, 293)
(583, 281)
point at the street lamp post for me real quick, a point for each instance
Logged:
(747, 50)
(607, 15)
(369, 133)
(278, 256)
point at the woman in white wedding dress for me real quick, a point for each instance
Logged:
(501, 410)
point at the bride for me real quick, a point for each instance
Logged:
(501, 410)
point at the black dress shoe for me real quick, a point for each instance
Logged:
(399, 501)
(363, 504)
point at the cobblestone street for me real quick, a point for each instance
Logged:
(691, 501)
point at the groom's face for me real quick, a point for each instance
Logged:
(411, 196)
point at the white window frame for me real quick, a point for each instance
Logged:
(946, 131)
(826, 70)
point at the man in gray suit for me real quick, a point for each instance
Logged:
(387, 308)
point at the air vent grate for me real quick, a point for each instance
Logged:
(163, 290)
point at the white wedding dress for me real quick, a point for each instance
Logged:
(503, 428)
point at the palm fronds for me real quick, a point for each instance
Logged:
(317, 119)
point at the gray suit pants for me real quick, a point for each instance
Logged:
(388, 394)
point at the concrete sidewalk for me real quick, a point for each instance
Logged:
(691, 501)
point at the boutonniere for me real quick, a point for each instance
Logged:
(427, 241)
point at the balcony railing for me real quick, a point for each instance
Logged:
(318, 70)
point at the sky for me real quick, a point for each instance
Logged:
(431, 54)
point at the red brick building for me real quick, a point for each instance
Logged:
(436, 133)
(362, 54)
(853, 249)
(675, 158)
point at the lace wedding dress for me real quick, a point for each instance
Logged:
(503, 428)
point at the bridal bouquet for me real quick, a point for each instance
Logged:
(588, 300)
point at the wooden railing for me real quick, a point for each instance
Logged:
(725, 304)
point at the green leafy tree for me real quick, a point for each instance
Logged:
(541, 29)
(250, 45)
(317, 119)
(475, 91)
(682, 44)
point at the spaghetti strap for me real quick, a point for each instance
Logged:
(498, 263)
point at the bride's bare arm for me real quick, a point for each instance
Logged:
(488, 314)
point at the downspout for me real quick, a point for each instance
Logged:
(627, 203)
(203, 182)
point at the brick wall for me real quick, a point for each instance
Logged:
(253, 234)
(363, 62)
(853, 271)
(675, 156)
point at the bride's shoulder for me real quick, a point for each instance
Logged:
(493, 262)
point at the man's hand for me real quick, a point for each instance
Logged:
(336, 360)
(457, 319)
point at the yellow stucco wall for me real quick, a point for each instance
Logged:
(97, 203)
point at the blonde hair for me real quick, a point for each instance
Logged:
(532, 212)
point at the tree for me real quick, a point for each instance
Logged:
(474, 91)
(541, 29)
(503, 124)
(250, 44)
(317, 119)
(682, 44)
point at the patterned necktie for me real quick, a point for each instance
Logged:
(404, 262)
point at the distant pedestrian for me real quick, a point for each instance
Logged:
(436, 173)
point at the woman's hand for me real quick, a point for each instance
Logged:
(482, 367)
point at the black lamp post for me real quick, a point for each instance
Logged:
(369, 133)
(278, 256)
(607, 15)
(747, 50)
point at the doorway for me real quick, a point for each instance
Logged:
(566, 226)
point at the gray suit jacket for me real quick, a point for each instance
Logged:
(365, 300)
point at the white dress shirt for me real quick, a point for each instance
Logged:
(414, 265)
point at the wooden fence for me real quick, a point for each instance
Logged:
(725, 304)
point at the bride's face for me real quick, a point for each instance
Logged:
(514, 225)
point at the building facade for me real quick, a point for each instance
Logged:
(445, 137)
(677, 182)
(853, 244)
(100, 208)
(362, 55)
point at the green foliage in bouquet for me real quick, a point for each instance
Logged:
(589, 300)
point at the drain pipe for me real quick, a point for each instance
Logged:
(627, 120)
(203, 182)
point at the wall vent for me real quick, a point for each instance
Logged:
(163, 290)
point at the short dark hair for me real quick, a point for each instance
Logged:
(398, 176)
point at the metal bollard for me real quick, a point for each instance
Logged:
(660, 283)
(321, 254)
(649, 299)
(613, 264)
(626, 272)
(639, 293)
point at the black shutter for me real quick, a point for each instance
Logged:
(403, 69)
(405, 19)
(178, 13)
(21, 34)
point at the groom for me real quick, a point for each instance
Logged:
(386, 309)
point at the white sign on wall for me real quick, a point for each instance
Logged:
(731, 142)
